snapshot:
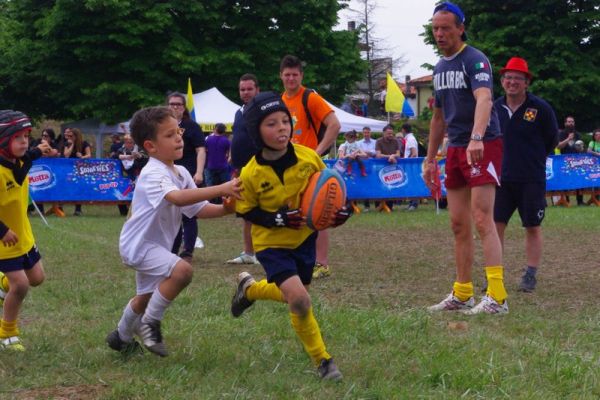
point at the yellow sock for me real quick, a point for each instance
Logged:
(309, 333)
(463, 291)
(495, 280)
(8, 329)
(263, 290)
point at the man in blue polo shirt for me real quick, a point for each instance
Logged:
(462, 82)
(530, 133)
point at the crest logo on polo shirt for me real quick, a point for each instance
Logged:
(530, 114)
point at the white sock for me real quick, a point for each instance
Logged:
(156, 307)
(127, 323)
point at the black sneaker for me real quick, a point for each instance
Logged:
(527, 284)
(151, 337)
(329, 371)
(115, 342)
(239, 302)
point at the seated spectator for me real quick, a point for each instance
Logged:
(367, 145)
(217, 154)
(350, 151)
(75, 147)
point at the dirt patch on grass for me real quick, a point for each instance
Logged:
(78, 392)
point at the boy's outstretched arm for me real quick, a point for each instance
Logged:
(185, 197)
(212, 211)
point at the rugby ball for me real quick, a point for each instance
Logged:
(324, 195)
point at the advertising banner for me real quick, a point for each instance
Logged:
(72, 179)
(64, 179)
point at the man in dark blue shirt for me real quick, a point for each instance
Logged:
(530, 133)
(243, 149)
(462, 83)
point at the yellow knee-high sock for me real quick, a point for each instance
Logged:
(308, 331)
(8, 329)
(495, 280)
(262, 290)
(463, 291)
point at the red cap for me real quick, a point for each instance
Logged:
(517, 64)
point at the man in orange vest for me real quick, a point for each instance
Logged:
(307, 123)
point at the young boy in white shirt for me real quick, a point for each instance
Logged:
(164, 191)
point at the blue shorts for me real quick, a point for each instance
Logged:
(26, 261)
(528, 198)
(280, 264)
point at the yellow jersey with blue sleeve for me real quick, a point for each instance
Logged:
(14, 199)
(271, 185)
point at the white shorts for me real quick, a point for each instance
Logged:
(155, 267)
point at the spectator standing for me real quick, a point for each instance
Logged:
(594, 144)
(75, 147)
(388, 147)
(291, 73)
(115, 145)
(411, 150)
(568, 136)
(194, 156)
(133, 160)
(530, 134)
(217, 153)
(243, 149)
(365, 107)
(463, 87)
(367, 145)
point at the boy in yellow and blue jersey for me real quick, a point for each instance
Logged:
(272, 184)
(20, 261)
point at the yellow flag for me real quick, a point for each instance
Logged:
(189, 101)
(394, 98)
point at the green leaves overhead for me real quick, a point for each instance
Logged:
(560, 39)
(107, 58)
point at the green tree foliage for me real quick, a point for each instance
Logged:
(107, 58)
(560, 39)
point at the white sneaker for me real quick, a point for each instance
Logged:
(488, 305)
(452, 303)
(199, 243)
(243, 259)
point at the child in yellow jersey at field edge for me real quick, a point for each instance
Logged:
(271, 186)
(20, 261)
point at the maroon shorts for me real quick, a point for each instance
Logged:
(460, 174)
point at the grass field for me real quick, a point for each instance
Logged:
(386, 269)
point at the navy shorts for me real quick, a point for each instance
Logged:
(280, 264)
(26, 261)
(528, 198)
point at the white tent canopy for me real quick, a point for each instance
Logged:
(351, 121)
(212, 107)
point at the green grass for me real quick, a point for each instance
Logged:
(386, 270)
